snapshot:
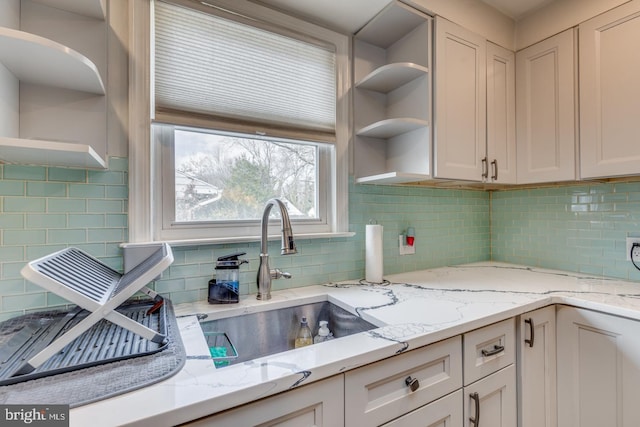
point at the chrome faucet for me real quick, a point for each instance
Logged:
(265, 274)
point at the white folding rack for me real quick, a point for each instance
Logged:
(83, 280)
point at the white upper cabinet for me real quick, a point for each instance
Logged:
(610, 93)
(53, 61)
(392, 97)
(460, 102)
(501, 115)
(474, 116)
(545, 110)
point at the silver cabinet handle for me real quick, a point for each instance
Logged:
(496, 349)
(531, 332)
(485, 168)
(412, 383)
(476, 399)
(494, 167)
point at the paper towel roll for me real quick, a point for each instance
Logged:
(373, 253)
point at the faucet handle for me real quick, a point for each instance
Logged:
(277, 274)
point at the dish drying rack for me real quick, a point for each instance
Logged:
(87, 282)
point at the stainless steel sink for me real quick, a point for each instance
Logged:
(269, 332)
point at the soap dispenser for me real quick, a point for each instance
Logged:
(324, 334)
(304, 336)
(225, 288)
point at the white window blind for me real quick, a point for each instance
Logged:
(214, 66)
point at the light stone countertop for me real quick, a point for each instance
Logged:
(415, 309)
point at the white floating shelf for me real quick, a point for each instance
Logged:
(391, 76)
(393, 178)
(90, 8)
(49, 153)
(35, 59)
(392, 127)
(390, 25)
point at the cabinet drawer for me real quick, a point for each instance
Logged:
(444, 412)
(318, 404)
(488, 349)
(378, 393)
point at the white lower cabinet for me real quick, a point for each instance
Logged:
(537, 368)
(491, 401)
(490, 376)
(317, 404)
(444, 412)
(598, 369)
(388, 389)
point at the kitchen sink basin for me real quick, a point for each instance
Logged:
(249, 336)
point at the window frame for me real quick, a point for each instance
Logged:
(145, 225)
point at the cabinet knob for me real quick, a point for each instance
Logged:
(412, 383)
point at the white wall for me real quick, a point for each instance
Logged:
(557, 17)
(475, 16)
(118, 80)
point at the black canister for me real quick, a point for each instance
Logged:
(225, 287)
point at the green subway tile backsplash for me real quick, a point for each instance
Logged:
(579, 228)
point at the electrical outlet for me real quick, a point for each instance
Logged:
(636, 251)
(406, 249)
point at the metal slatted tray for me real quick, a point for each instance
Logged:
(104, 342)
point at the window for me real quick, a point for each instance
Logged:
(246, 104)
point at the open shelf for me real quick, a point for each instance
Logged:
(390, 25)
(392, 178)
(37, 60)
(49, 153)
(391, 76)
(90, 8)
(392, 127)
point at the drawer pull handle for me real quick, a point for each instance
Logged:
(476, 399)
(496, 349)
(412, 383)
(531, 332)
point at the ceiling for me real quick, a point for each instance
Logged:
(348, 16)
(517, 9)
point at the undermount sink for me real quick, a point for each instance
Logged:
(246, 337)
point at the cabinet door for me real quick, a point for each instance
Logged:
(545, 110)
(610, 93)
(460, 102)
(501, 115)
(317, 404)
(598, 369)
(537, 368)
(491, 402)
(444, 412)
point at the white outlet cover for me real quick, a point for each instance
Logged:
(630, 242)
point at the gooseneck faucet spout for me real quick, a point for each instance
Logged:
(265, 274)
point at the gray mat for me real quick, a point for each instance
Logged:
(95, 383)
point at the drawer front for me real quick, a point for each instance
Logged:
(444, 412)
(377, 393)
(489, 349)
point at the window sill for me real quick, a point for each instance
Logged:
(244, 239)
